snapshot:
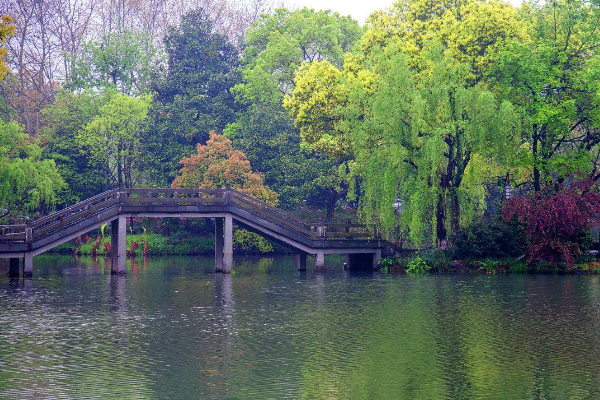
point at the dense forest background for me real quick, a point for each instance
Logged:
(425, 121)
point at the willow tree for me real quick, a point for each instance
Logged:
(426, 137)
(28, 184)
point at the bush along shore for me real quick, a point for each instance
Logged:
(443, 262)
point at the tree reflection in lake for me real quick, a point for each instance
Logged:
(173, 329)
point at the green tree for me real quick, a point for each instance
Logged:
(194, 95)
(28, 184)
(426, 139)
(125, 60)
(65, 119)
(113, 138)
(553, 79)
(471, 30)
(277, 45)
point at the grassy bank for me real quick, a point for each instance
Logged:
(441, 262)
(157, 245)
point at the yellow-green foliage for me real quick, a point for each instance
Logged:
(315, 106)
(471, 29)
(6, 29)
(27, 183)
(250, 242)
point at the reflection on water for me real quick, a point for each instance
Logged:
(173, 329)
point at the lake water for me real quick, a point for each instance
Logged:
(172, 329)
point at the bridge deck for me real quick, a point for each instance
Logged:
(313, 238)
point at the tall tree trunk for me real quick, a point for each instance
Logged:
(536, 169)
(119, 171)
(454, 211)
(440, 225)
(332, 196)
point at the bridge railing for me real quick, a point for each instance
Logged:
(76, 213)
(13, 233)
(345, 231)
(269, 212)
(176, 197)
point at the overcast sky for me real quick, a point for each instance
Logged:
(358, 9)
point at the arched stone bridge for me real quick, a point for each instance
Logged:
(226, 206)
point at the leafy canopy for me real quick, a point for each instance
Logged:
(279, 43)
(113, 138)
(194, 95)
(426, 139)
(552, 78)
(65, 119)
(125, 60)
(28, 184)
(217, 164)
(471, 30)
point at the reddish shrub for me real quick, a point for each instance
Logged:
(556, 222)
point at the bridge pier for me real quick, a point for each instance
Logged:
(376, 258)
(219, 243)
(228, 245)
(13, 267)
(28, 265)
(118, 245)
(320, 261)
(301, 261)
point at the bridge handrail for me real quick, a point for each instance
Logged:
(253, 200)
(271, 213)
(77, 206)
(67, 216)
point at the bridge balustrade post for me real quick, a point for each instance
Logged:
(227, 194)
(321, 231)
(118, 245)
(228, 245)
(219, 242)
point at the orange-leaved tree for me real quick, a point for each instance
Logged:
(217, 164)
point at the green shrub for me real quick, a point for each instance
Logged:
(496, 239)
(518, 267)
(385, 264)
(250, 242)
(437, 259)
(417, 265)
(489, 266)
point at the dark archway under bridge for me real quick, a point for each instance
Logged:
(225, 206)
